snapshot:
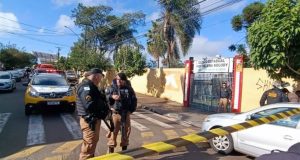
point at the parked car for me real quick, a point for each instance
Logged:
(7, 82)
(16, 75)
(48, 90)
(255, 141)
(71, 76)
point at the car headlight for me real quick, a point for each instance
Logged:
(33, 93)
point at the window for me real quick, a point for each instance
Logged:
(268, 112)
(289, 122)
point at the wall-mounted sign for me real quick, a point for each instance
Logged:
(214, 65)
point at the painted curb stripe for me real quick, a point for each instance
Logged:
(158, 147)
(113, 156)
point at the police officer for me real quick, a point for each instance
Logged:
(123, 101)
(274, 95)
(225, 96)
(91, 107)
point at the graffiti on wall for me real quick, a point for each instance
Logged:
(263, 84)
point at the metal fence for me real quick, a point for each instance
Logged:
(205, 91)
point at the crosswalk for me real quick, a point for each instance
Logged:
(147, 126)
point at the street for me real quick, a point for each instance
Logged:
(56, 134)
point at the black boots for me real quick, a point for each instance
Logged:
(111, 149)
(124, 148)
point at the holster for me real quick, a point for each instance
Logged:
(91, 120)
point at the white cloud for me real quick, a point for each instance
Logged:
(202, 47)
(153, 16)
(93, 2)
(61, 3)
(9, 23)
(64, 21)
(42, 30)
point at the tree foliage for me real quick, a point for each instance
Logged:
(249, 15)
(130, 61)
(243, 21)
(274, 39)
(181, 21)
(13, 57)
(103, 34)
(156, 45)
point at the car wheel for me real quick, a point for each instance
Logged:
(27, 111)
(222, 144)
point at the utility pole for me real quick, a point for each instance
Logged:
(58, 54)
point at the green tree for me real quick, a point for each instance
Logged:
(274, 39)
(181, 21)
(104, 32)
(130, 61)
(156, 45)
(13, 57)
(243, 21)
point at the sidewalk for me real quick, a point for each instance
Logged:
(171, 109)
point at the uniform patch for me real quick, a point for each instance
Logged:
(272, 94)
(86, 88)
(88, 98)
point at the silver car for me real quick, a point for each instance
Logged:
(7, 82)
(255, 141)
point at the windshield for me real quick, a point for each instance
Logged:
(4, 76)
(49, 81)
(268, 112)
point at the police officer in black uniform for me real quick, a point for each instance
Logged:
(123, 101)
(91, 107)
(274, 95)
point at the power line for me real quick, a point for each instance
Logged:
(29, 25)
(36, 39)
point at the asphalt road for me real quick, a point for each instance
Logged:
(55, 135)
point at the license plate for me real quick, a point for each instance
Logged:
(53, 103)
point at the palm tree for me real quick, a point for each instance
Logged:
(181, 21)
(156, 45)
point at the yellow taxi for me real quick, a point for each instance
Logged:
(48, 90)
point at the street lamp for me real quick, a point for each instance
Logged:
(84, 41)
(73, 31)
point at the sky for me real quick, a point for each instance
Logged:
(40, 25)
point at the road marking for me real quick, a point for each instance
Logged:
(146, 136)
(170, 134)
(3, 120)
(138, 126)
(189, 131)
(36, 132)
(72, 125)
(164, 125)
(67, 147)
(183, 123)
(55, 158)
(25, 153)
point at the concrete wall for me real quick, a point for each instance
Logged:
(255, 82)
(163, 83)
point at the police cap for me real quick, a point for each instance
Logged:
(94, 71)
